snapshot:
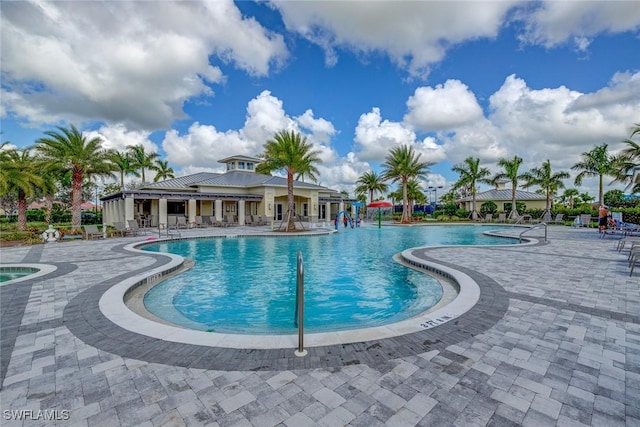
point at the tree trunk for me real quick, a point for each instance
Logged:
(474, 214)
(514, 210)
(291, 224)
(22, 211)
(48, 199)
(405, 204)
(76, 200)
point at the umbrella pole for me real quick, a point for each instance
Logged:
(379, 216)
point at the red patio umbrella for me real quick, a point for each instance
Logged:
(380, 204)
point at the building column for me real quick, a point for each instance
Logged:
(162, 211)
(218, 209)
(191, 208)
(327, 212)
(129, 213)
(241, 213)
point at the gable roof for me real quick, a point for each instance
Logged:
(504, 195)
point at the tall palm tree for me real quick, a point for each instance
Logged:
(163, 170)
(371, 182)
(402, 165)
(471, 174)
(289, 151)
(629, 160)
(20, 175)
(414, 194)
(141, 159)
(548, 181)
(123, 164)
(570, 195)
(597, 162)
(83, 158)
(510, 171)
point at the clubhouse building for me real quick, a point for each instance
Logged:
(238, 193)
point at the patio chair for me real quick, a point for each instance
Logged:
(122, 229)
(199, 222)
(559, 219)
(502, 217)
(248, 220)
(585, 220)
(134, 227)
(229, 220)
(182, 222)
(488, 217)
(91, 231)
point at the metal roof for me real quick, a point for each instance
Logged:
(182, 182)
(504, 195)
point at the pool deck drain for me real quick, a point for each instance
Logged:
(554, 340)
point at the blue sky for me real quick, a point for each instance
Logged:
(199, 81)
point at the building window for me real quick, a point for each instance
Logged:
(250, 166)
(305, 209)
(240, 165)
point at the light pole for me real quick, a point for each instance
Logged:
(435, 191)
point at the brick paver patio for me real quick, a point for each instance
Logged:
(554, 340)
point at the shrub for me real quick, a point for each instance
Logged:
(488, 207)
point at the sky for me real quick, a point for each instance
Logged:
(198, 81)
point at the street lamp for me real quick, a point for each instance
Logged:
(435, 191)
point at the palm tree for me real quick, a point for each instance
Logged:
(570, 194)
(163, 171)
(510, 171)
(20, 174)
(141, 159)
(471, 174)
(123, 164)
(289, 151)
(371, 182)
(402, 165)
(82, 158)
(548, 181)
(629, 160)
(597, 162)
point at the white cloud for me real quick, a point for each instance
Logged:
(443, 107)
(555, 22)
(375, 137)
(413, 34)
(134, 63)
(118, 137)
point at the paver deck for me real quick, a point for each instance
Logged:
(554, 340)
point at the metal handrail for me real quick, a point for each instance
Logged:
(542, 224)
(299, 314)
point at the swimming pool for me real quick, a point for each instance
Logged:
(12, 273)
(246, 285)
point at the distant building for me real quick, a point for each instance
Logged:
(502, 196)
(239, 192)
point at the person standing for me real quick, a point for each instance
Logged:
(602, 218)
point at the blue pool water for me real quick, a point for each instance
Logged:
(12, 273)
(247, 285)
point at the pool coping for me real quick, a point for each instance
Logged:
(113, 306)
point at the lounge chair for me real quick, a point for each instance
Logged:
(182, 222)
(199, 222)
(122, 229)
(502, 217)
(248, 220)
(559, 219)
(585, 220)
(134, 228)
(488, 217)
(91, 231)
(229, 220)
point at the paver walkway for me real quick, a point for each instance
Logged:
(555, 340)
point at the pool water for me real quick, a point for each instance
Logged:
(12, 273)
(246, 285)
